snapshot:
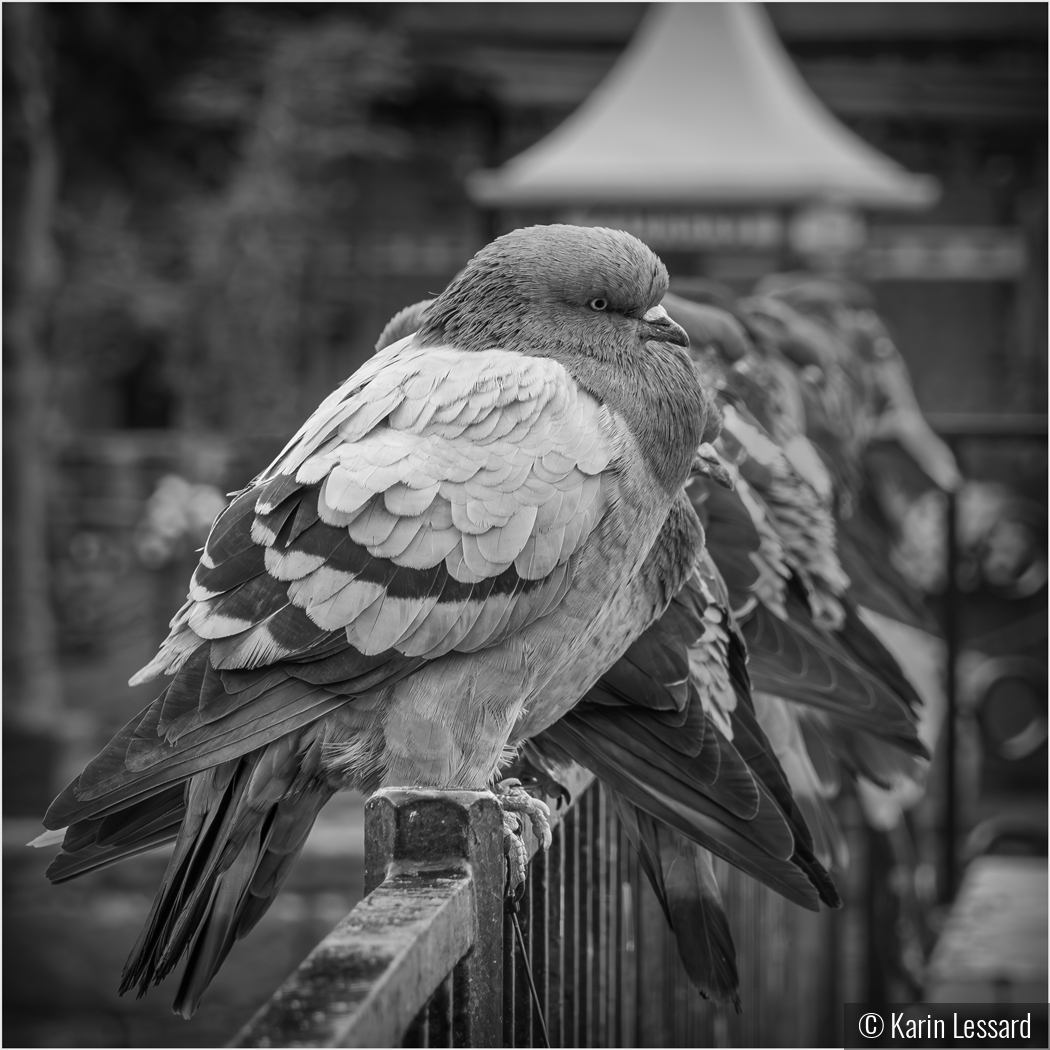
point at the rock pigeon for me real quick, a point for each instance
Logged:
(853, 347)
(400, 597)
(859, 710)
(671, 732)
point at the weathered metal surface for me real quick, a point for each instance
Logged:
(434, 878)
(439, 1014)
(366, 981)
(413, 829)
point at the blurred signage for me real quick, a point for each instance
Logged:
(827, 230)
(692, 230)
(944, 253)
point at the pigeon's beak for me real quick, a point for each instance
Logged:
(660, 327)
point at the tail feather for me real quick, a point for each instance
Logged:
(213, 937)
(93, 858)
(178, 903)
(238, 828)
(683, 880)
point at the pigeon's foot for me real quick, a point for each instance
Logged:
(547, 785)
(537, 778)
(516, 803)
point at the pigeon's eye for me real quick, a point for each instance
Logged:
(599, 304)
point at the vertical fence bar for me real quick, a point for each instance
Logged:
(570, 925)
(539, 913)
(612, 910)
(616, 976)
(510, 956)
(951, 640)
(556, 937)
(670, 999)
(584, 941)
(522, 948)
(599, 920)
(593, 916)
(630, 975)
(439, 1014)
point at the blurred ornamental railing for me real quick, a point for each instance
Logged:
(434, 956)
(960, 430)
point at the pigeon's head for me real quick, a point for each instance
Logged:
(557, 290)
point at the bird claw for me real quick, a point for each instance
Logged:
(517, 803)
(547, 785)
(517, 855)
(537, 778)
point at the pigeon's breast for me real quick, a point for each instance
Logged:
(447, 726)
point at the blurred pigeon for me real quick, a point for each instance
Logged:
(390, 601)
(860, 400)
(829, 693)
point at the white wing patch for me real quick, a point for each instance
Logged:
(454, 466)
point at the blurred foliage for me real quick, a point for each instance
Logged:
(303, 99)
(228, 176)
(216, 165)
(178, 515)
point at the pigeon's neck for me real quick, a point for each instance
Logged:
(657, 392)
(673, 556)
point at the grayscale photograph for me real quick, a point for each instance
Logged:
(525, 524)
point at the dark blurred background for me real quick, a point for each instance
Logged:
(213, 209)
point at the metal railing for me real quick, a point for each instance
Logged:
(433, 957)
(958, 430)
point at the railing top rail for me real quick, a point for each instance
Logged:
(375, 971)
(434, 866)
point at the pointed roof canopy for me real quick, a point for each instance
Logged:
(704, 107)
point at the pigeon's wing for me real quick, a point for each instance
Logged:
(781, 722)
(865, 541)
(800, 516)
(434, 503)
(744, 545)
(848, 674)
(670, 729)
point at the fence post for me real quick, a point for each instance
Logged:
(422, 830)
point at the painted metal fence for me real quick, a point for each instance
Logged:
(433, 956)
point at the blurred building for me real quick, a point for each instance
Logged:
(955, 91)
